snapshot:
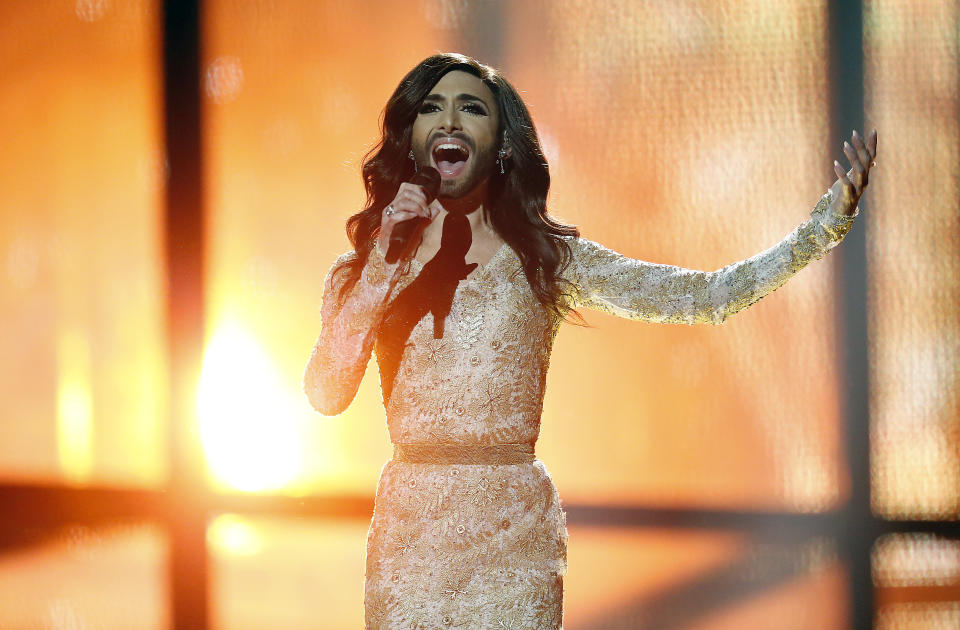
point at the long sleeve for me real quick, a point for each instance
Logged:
(348, 330)
(610, 282)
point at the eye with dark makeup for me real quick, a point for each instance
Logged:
(470, 108)
(473, 108)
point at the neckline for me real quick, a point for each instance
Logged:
(481, 267)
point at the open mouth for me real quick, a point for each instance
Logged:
(450, 158)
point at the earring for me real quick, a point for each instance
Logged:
(410, 155)
(502, 154)
(501, 158)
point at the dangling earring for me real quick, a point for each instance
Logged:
(502, 153)
(501, 157)
(410, 155)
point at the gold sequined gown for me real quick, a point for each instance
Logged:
(454, 544)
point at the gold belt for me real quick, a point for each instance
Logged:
(443, 453)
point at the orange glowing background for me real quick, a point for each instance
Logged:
(289, 121)
(689, 133)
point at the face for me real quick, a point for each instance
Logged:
(456, 133)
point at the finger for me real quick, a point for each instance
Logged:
(857, 169)
(412, 203)
(406, 200)
(858, 172)
(398, 216)
(862, 153)
(421, 209)
(843, 179)
(851, 154)
(412, 190)
(407, 188)
(404, 205)
(872, 145)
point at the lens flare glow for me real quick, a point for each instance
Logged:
(248, 424)
(234, 535)
(74, 407)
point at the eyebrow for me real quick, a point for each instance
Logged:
(460, 97)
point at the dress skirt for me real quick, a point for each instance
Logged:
(465, 546)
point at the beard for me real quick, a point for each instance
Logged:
(474, 175)
(479, 167)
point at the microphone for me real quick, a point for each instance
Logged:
(427, 178)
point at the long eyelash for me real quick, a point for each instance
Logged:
(428, 108)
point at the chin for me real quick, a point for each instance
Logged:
(461, 186)
(453, 190)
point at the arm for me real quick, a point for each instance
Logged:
(350, 322)
(607, 281)
(348, 329)
(610, 282)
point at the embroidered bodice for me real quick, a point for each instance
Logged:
(482, 381)
(467, 530)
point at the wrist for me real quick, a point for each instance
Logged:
(377, 269)
(835, 224)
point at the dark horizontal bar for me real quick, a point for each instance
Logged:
(52, 504)
(887, 595)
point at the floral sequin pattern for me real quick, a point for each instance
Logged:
(482, 543)
(610, 282)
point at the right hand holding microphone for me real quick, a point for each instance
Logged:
(402, 221)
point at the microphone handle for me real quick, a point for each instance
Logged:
(401, 235)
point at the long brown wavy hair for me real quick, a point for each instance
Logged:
(516, 200)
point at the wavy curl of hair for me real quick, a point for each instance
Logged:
(516, 200)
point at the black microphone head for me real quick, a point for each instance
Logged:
(429, 178)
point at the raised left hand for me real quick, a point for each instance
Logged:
(850, 184)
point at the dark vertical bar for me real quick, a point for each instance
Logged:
(184, 247)
(847, 98)
(481, 32)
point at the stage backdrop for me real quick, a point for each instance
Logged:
(694, 133)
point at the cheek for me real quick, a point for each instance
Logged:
(418, 132)
(418, 142)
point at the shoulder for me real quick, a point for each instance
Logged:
(583, 254)
(583, 250)
(339, 270)
(344, 258)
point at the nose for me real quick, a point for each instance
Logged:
(450, 119)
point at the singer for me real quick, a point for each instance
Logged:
(468, 530)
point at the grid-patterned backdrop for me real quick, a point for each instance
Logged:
(797, 467)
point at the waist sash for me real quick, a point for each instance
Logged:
(447, 453)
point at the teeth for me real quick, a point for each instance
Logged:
(450, 145)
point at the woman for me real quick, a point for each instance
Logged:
(467, 530)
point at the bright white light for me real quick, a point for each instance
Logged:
(91, 10)
(74, 406)
(223, 80)
(234, 535)
(248, 425)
